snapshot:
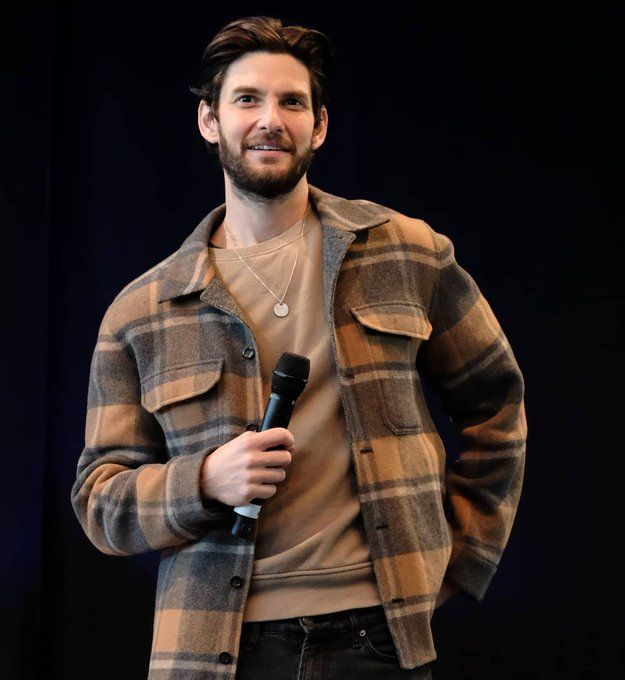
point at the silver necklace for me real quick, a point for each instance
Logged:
(280, 308)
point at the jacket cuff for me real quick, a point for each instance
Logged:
(185, 505)
(470, 572)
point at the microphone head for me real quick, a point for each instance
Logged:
(290, 375)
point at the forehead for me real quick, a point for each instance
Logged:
(267, 71)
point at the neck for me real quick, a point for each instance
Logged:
(252, 220)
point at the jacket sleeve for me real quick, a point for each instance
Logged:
(470, 363)
(128, 496)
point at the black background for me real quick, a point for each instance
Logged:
(497, 124)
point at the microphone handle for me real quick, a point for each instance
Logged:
(278, 414)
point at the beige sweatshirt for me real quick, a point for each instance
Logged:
(312, 555)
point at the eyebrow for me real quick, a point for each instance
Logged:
(254, 90)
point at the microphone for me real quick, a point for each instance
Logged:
(289, 380)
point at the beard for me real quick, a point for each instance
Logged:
(267, 181)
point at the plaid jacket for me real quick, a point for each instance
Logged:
(173, 377)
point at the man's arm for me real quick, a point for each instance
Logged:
(469, 362)
(128, 497)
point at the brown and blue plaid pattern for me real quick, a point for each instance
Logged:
(170, 383)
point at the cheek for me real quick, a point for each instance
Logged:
(234, 134)
(302, 141)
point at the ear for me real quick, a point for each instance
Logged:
(320, 131)
(208, 124)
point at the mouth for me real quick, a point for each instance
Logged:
(266, 149)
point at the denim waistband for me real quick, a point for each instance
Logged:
(345, 620)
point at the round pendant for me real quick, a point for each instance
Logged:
(281, 309)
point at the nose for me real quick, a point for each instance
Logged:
(270, 118)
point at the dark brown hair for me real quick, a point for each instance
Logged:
(265, 34)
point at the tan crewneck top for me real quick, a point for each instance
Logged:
(312, 555)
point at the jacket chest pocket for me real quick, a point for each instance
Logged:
(184, 400)
(393, 332)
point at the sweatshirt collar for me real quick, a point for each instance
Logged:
(190, 270)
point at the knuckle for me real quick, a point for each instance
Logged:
(248, 435)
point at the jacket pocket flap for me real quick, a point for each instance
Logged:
(179, 383)
(398, 318)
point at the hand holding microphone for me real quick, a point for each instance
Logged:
(245, 466)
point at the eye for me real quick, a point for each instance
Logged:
(245, 95)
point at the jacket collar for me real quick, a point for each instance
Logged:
(190, 270)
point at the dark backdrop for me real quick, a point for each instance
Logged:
(498, 126)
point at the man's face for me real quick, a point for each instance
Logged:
(265, 101)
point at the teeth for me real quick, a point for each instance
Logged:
(266, 148)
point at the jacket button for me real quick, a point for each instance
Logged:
(251, 426)
(224, 657)
(236, 581)
(248, 352)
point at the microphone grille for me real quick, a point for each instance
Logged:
(294, 365)
(290, 375)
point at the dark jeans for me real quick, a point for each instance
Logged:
(354, 644)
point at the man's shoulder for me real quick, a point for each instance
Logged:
(137, 299)
(414, 230)
(387, 222)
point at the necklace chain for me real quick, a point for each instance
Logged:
(230, 236)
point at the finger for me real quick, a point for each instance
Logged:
(274, 458)
(274, 475)
(275, 436)
(269, 475)
(265, 491)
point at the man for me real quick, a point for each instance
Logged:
(364, 530)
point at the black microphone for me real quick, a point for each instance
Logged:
(289, 380)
